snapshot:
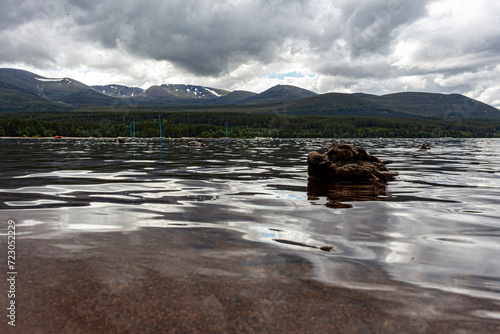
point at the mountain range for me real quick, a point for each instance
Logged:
(25, 91)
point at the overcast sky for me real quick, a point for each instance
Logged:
(372, 46)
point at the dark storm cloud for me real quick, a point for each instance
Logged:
(15, 13)
(204, 37)
(211, 38)
(23, 30)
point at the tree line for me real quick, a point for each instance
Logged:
(240, 125)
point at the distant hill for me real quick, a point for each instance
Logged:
(64, 91)
(333, 104)
(21, 89)
(119, 90)
(232, 98)
(183, 92)
(432, 104)
(170, 94)
(30, 83)
(278, 94)
(25, 91)
(363, 95)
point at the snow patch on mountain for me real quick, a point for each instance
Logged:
(49, 79)
(213, 92)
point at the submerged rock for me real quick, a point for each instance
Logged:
(347, 162)
(195, 143)
(424, 147)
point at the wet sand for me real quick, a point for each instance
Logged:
(199, 280)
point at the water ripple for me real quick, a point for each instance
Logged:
(436, 227)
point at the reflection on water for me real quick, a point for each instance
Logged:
(437, 227)
(338, 192)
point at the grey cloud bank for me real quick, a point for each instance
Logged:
(378, 47)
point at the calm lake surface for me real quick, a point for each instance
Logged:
(241, 218)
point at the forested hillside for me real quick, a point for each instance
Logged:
(242, 125)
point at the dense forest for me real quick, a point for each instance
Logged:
(240, 124)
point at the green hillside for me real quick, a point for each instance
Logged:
(431, 104)
(335, 104)
(15, 101)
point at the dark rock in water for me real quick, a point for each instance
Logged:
(347, 162)
(122, 140)
(424, 147)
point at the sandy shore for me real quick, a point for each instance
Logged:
(204, 281)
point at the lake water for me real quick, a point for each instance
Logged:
(231, 237)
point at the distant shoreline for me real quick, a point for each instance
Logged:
(132, 138)
(237, 125)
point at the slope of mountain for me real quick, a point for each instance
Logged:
(57, 90)
(27, 82)
(195, 92)
(170, 94)
(155, 92)
(363, 95)
(232, 98)
(12, 100)
(278, 94)
(432, 104)
(176, 92)
(337, 104)
(119, 90)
